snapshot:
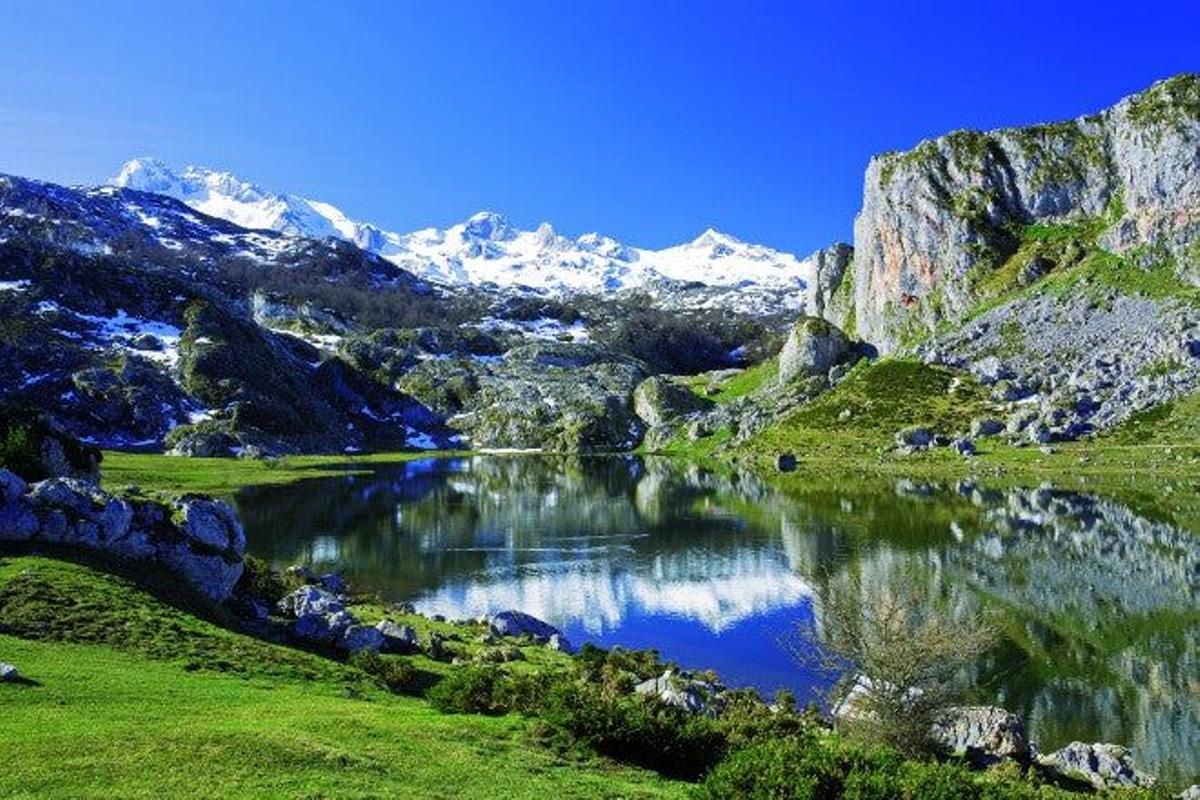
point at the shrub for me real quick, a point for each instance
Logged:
(397, 675)
(260, 581)
(468, 690)
(633, 730)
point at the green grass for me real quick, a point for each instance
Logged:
(223, 476)
(745, 383)
(133, 697)
(860, 416)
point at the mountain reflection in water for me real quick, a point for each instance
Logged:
(1101, 607)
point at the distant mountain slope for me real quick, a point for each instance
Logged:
(485, 249)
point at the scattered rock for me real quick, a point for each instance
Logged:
(914, 438)
(786, 462)
(963, 446)
(983, 733)
(362, 638)
(682, 692)
(658, 401)
(397, 638)
(1105, 766)
(8, 673)
(516, 623)
(986, 426)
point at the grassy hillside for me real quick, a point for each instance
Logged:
(132, 697)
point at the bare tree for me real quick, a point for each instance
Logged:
(900, 653)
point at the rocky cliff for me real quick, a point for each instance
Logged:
(938, 221)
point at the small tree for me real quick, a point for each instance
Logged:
(901, 654)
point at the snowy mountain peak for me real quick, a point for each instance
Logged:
(488, 225)
(486, 249)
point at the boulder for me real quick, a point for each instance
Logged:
(914, 438)
(684, 693)
(986, 426)
(11, 486)
(309, 600)
(359, 638)
(516, 623)
(983, 733)
(786, 462)
(963, 446)
(323, 628)
(813, 347)
(1105, 766)
(17, 520)
(658, 401)
(8, 673)
(212, 524)
(397, 638)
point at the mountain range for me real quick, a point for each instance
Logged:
(486, 250)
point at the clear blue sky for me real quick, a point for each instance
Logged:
(646, 120)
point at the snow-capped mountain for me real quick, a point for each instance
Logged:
(486, 250)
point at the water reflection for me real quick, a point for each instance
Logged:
(1101, 606)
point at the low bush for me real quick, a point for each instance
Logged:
(633, 730)
(469, 690)
(260, 581)
(397, 675)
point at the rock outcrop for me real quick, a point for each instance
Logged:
(813, 347)
(831, 295)
(1105, 766)
(937, 219)
(198, 538)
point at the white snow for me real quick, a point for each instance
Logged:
(543, 328)
(485, 249)
(14, 286)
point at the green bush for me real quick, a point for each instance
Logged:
(397, 675)
(260, 581)
(934, 781)
(803, 768)
(469, 690)
(633, 730)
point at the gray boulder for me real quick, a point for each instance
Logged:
(8, 673)
(658, 401)
(362, 638)
(813, 347)
(1105, 766)
(914, 438)
(684, 693)
(323, 628)
(212, 524)
(986, 426)
(517, 623)
(11, 486)
(963, 446)
(310, 600)
(17, 520)
(397, 638)
(982, 733)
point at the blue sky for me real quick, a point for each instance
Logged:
(645, 120)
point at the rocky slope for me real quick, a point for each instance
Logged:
(939, 220)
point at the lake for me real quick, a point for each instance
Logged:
(1100, 606)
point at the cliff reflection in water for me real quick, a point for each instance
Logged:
(1101, 606)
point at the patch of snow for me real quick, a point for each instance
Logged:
(14, 286)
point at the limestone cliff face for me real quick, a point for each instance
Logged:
(938, 217)
(832, 297)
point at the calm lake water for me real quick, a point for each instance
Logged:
(1101, 606)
